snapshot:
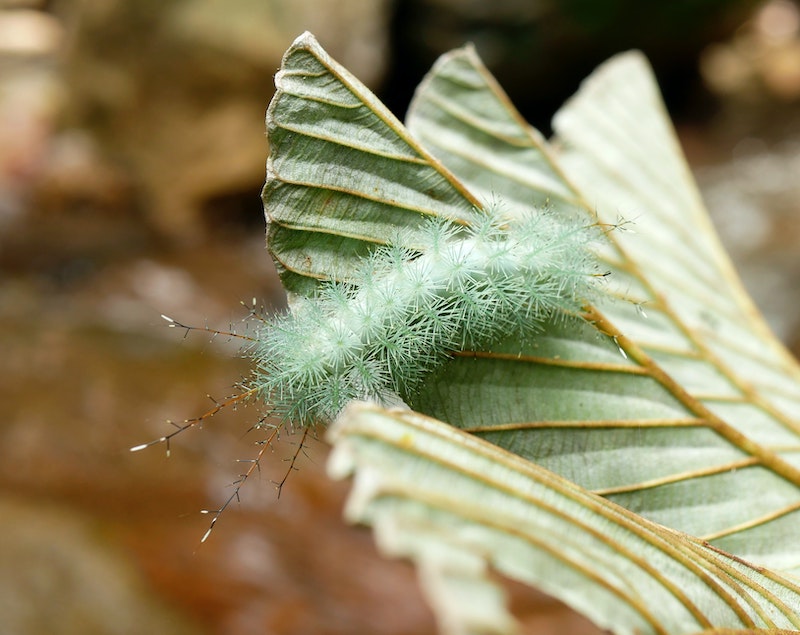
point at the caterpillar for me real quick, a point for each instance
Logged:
(409, 307)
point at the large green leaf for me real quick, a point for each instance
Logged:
(699, 430)
(684, 416)
(457, 505)
(343, 174)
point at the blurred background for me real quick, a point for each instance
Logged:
(132, 152)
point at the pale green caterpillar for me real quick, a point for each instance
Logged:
(409, 309)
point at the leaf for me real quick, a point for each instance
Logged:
(698, 428)
(343, 175)
(462, 116)
(675, 254)
(457, 506)
(654, 413)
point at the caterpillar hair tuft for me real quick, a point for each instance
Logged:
(410, 306)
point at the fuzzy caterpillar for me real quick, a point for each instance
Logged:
(409, 308)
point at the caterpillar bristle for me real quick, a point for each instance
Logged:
(410, 306)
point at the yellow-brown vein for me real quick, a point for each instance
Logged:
(750, 524)
(688, 422)
(361, 195)
(630, 369)
(365, 149)
(677, 478)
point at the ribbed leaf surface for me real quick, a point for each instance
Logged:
(457, 505)
(717, 460)
(671, 402)
(343, 174)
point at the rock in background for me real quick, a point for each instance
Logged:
(174, 94)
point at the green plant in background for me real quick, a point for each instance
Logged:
(637, 458)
